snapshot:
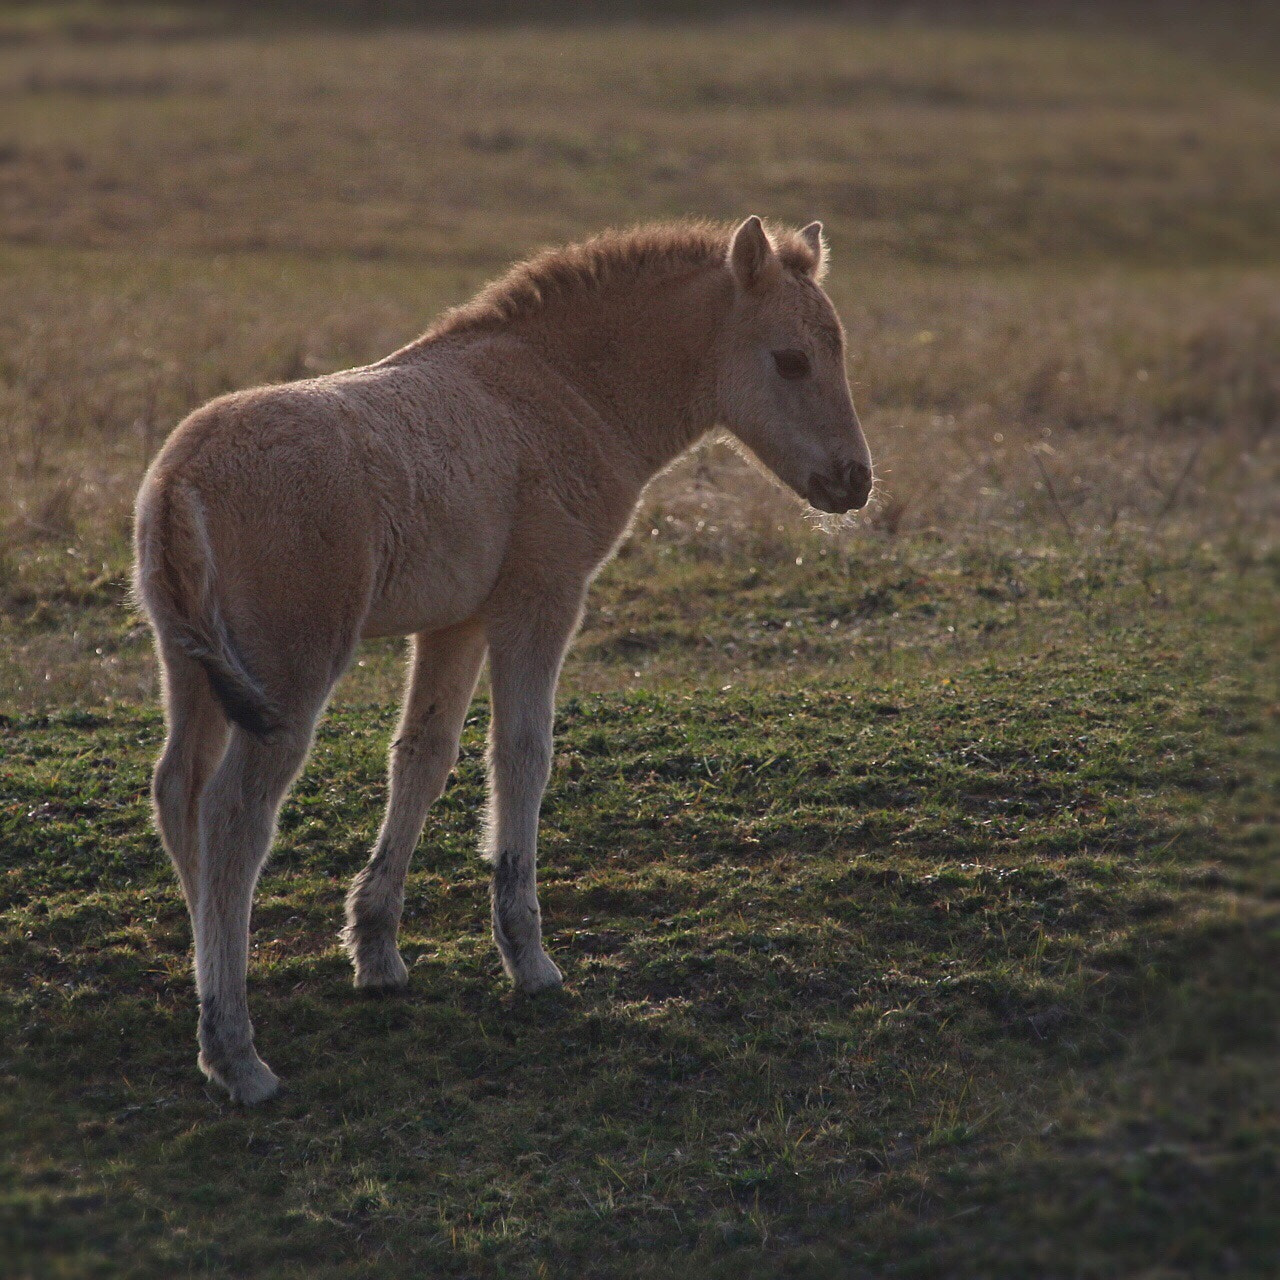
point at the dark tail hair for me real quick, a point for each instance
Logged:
(174, 582)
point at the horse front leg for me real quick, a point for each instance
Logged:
(442, 680)
(525, 653)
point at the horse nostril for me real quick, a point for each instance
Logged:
(858, 481)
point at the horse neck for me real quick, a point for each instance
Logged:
(642, 356)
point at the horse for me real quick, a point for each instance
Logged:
(464, 491)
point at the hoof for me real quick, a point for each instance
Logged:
(248, 1079)
(380, 969)
(538, 974)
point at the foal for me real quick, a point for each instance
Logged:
(464, 490)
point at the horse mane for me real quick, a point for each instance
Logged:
(607, 261)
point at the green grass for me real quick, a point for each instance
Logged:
(963, 965)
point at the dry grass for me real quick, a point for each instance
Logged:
(990, 397)
(958, 144)
(1131, 407)
(1055, 251)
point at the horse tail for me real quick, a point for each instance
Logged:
(174, 582)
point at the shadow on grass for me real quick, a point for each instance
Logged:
(690, 1073)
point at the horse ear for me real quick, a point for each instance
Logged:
(750, 254)
(812, 236)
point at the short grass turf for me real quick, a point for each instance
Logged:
(959, 965)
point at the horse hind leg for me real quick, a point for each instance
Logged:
(237, 823)
(196, 742)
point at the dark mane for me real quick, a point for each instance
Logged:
(606, 261)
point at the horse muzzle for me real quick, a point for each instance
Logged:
(846, 488)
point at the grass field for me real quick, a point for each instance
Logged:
(915, 883)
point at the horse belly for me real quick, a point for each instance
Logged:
(433, 583)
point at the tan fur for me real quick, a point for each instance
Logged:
(464, 490)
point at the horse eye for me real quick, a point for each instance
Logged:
(791, 364)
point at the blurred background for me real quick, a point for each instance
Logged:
(1055, 231)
